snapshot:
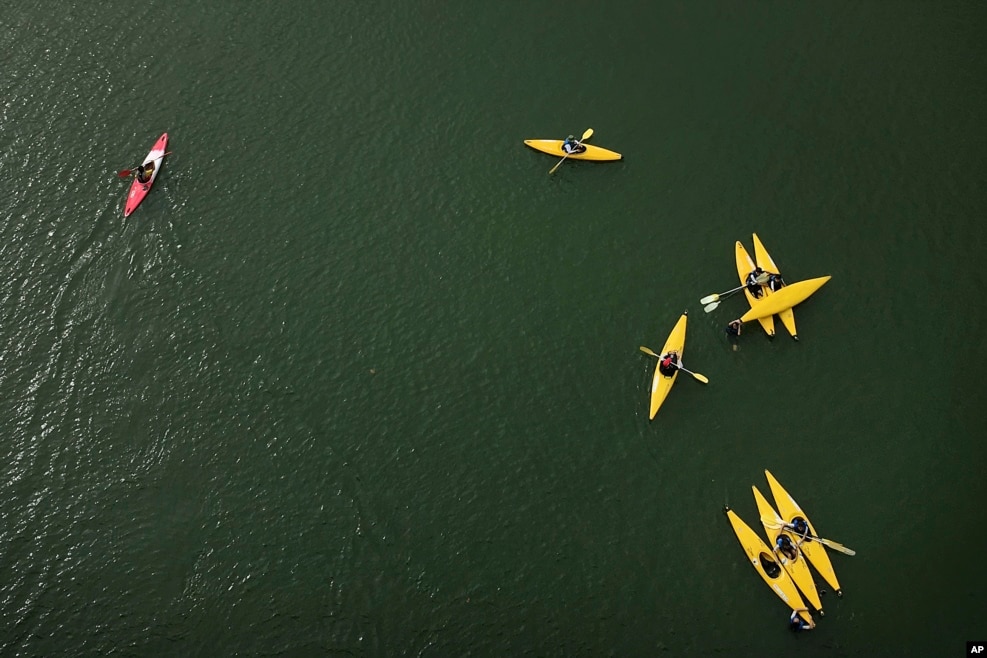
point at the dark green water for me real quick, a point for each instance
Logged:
(360, 378)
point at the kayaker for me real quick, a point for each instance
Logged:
(796, 623)
(785, 546)
(733, 332)
(669, 363)
(572, 146)
(775, 282)
(144, 172)
(799, 527)
(752, 285)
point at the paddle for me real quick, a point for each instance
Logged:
(702, 378)
(128, 172)
(586, 135)
(715, 298)
(836, 546)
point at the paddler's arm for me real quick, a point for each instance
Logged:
(791, 528)
(795, 615)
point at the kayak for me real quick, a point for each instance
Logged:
(789, 296)
(745, 265)
(661, 384)
(760, 557)
(798, 568)
(139, 190)
(554, 147)
(766, 263)
(813, 550)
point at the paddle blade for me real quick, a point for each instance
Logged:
(587, 134)
(703, 378)
(647, 351)
(709, 308)
(715, 297)
(836, 546)
(552, 170)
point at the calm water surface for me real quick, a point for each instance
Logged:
(359, 377)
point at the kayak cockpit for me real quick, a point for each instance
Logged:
(770, 567)
(145, 173)
(796, 522)
(789, 551)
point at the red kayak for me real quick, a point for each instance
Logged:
(140, 188)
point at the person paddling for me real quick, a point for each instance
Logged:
(799, 527)
(570, 145)
(753, 286)
(144, 172)
(668, 363)
(785, 547)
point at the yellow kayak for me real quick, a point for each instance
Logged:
(760, 557)
(661, 384)
(554, 147)
(798, 568)
(744, 267)
(765, 262)
(814, 551)
(789, 296)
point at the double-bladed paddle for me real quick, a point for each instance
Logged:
(702, 378)
(836, 546)
(712, 301)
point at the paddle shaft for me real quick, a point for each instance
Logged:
(729, 292)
